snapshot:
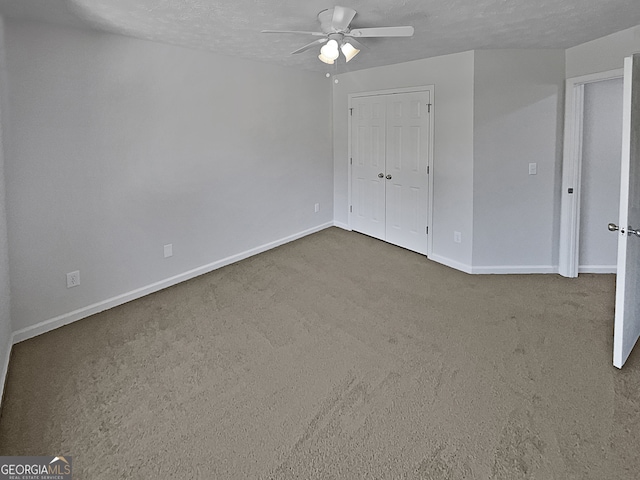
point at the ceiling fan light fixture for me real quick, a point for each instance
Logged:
(326, 60)
(349, 51)
(339, 36)
(330, 51)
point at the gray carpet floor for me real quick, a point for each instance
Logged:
(336, 356)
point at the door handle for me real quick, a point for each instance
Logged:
(381, 175)
(613, 227)
(389, 177)
(631, 231)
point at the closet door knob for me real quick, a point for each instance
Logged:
(389, 177)
(380, 175)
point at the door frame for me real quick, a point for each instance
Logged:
(395, 91)
(568, 261)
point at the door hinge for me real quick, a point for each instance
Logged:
(570, 190)
(427, 230)
(351, 161)
(351, 112)
(427, 169)
(351, 208)
(428, 108)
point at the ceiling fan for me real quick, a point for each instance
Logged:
(336, 33)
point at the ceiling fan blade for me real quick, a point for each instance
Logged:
(310, 45)
(381, 32)
(342, 17)
(315, 34)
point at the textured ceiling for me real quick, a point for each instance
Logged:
(232, 27)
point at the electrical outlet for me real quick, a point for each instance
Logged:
(457, 237)
(168, 250)
(73, 279)
(317, 207)
(533, 169)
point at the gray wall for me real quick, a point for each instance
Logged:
(5, 319)
(602, 54)
(452, 76)
(118, 146)
(517, 120)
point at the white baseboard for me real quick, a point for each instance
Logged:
(4, 369)
(514, 269)
(341, 225)
(495, 269)
(67, 318)
(597, 269)
(450, 263)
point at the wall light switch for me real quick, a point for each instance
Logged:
(533, 168)
(168, 250)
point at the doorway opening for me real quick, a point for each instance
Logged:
(591, 173)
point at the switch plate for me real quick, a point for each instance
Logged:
(533, 169)
(317, 207)
(457, 237)
(73, 279)
(168, 250)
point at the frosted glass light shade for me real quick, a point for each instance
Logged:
(330, 50)
(349, 51)
(324, 59)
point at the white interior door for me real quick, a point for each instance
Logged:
(627, 315)
(368, 147)
(390, 135)
(406, 170)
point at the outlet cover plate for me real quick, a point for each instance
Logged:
(73, 279)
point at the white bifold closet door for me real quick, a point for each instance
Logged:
(390, 155)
